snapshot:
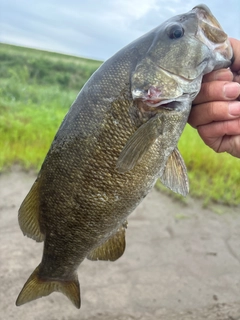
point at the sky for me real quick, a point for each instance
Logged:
(97, 28)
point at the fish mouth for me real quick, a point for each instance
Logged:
(152, 97)
(211, 33)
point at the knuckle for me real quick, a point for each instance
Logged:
(212, 110)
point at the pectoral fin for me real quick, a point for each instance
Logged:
(112, 249)
(139, 143)
(175, 174)
(28, 215)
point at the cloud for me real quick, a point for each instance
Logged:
(133, 9)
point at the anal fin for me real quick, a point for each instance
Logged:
(175, 174)
(35, 288)
(28, 214)
(112, 249)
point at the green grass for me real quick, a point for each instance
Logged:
(217, 176)
(27, 129)
(45, 68)
(37, 88)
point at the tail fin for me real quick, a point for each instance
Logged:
(36, 288)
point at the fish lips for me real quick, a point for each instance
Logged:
(212, 35)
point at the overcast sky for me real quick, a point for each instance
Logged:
(97, 28)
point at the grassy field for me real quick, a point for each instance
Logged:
(37, 88)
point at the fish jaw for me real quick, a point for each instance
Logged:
(212, 35)
(173, 68)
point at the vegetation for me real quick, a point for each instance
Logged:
(37, 88)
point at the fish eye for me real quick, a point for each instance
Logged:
(175, 32)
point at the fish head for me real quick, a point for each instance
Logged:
(184, 48)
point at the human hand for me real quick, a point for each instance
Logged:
(216, 109)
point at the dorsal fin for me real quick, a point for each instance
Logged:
(175, 174)
(28, 214)
(112, 249)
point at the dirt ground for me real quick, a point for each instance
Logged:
(182, 262)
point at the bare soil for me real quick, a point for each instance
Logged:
(182, 262)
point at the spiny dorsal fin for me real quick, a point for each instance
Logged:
(35, 288)
(139, 143)
(175, 174)
(28, 214)
(112, 249)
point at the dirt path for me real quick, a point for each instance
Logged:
(181, 263)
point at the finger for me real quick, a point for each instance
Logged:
(217, 90)
(206, 113)
(217, 136)
(230, 144)
(236, 51)
(221, 75)
(220, 128)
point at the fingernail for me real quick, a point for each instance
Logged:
(231, 90)
(234, 108)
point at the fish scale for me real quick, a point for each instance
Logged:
(119, 136)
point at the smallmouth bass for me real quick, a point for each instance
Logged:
(119, 136)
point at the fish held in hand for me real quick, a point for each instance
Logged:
(118, 138)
